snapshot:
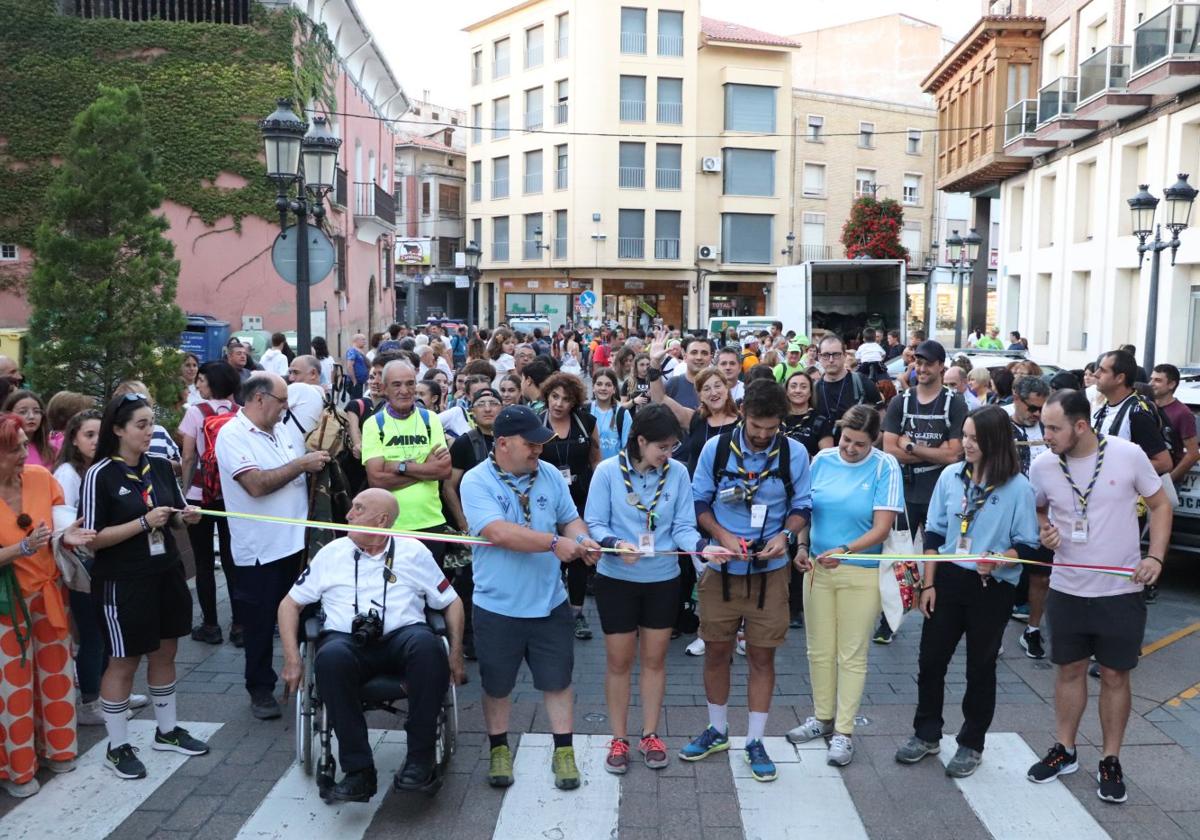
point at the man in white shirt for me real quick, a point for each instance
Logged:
(396, 579)
(273, 360)
(306, 397)
(263, 468)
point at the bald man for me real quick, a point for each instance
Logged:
(394, 578)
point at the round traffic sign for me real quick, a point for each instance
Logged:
(320, 255)
(587, 299)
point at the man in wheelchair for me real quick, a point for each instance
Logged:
(374, 590)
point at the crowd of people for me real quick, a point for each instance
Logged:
(734, 487)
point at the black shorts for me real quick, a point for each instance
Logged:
(1111, 629)
(624, 605)
(138, 613)
(1039, 553)
(503, 642)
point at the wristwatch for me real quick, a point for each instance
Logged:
(908, 447)
(654, 374)
(402, 468)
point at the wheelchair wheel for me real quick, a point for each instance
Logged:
(447, 740)
(304, 721)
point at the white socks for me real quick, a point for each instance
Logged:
(163, 698)
(757, 726)
(718, 717)
(116, 721)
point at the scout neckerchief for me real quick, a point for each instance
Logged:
(139, 476)
(634, 499)
(751, 482)
(522, 498)
(1083, 497)
(974, 498)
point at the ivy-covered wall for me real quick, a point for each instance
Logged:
(205, 87)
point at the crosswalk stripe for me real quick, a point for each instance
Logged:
(533, 807)
(808, 799)
(91, 801)
(293, 808)
(1013, 808)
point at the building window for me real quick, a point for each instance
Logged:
(864, 183)
(500, 177)
(912, 189)
(814, 180)
(500, 58)
(533, 172)
(561, 95)
(426, 198)
(477, 123)
(533, 109)
(914, 141)
(749, 172)
(1193, 350)
(666, 234)
(816, 126)
(477, 232)
(476, 180)
(633, 31)
(534, 38)
(561, 36)
(631, 234)
(560, 234)
(631, 166)
(670, 32)
(866, 135)
(500, 118)
(449, 199)
(560, 169)
(500, 238)
(633, 99)
(476, 67)
(531, 249)
(910, 238)
(8, 252)
(746, 238)
(670, 101)
(668, 165)
(749, 108)
(812, 238)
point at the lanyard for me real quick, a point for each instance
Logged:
(388, 577)
(970, 508)
(141, 478)
(522, 498)
(633, 497)
(1084, 496)
(751, 482)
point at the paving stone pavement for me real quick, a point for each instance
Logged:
(212, 797)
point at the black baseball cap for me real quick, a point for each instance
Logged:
(520, 420)
(931, 351)
(487, 392)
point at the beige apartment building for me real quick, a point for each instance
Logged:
(638, 151)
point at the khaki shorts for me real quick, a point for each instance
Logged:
(720, 619)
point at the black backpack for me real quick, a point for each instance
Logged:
(1141, 404)
(783, 471)
(479, 447)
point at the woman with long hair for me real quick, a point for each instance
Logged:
(500, 351)
(32, 410)
(321, 350)
(981, 506)
(804, 424)
(856, 493)
(189, 369)
(130, 499)
(613, 420)
(717, 413)
(635, 388)
(622, 362)
(510, 389)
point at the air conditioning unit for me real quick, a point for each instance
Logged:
(710, 164)
(706, 252)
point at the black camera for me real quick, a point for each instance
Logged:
(366, 628)
(757, 563)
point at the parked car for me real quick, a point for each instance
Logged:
(990, 359)
(1185, 535)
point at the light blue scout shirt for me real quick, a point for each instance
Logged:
(609, 514)
(735, 516)
(1007, 518)
(845, 497)
(612, 439)
(514, 583)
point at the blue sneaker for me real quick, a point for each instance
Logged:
(762, 768)
(709, 741)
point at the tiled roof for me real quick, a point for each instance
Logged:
(720, 30)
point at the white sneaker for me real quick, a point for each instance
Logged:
(696, 648)
(65, 766)
(841, 750)
(20, 791)
(89, 714)
(137, 701)
(740, 647)
(810, 729)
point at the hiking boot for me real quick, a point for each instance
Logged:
(809, 730)
(1112, 780)
(566, 774)
(705, 744)
(914, 749)
(1057, 762)
(500, 767)
(1031, 643)
(617, 762)
(965, 762)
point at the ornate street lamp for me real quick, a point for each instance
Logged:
(471, 255)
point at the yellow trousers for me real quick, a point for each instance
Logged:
(841, 607)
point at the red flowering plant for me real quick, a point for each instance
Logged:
(873, 230)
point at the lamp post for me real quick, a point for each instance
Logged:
(1179, 198)
(306, 156)
(789, 251)
(964, 250)
(471, 255)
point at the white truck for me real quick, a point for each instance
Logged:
(842, 296)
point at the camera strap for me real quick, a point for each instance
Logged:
(388, 577)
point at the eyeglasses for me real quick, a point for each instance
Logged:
(829, 357)
(485, 404)
(274, 396)
(1031, 408)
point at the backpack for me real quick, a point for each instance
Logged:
(479, 447)
(783, 471)
(1144, 405)
(908, 421)
(208, 476)
(379, 421)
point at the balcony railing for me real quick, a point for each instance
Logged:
(531, 249)
(1107, 70)
(533, 120)
(1172, 33)
(668, 179)
(560, 179)
(666, 249)
(633, 43)
(500, 68)
(533, 183)
(561, 111)
(631, 248)
(633, 110)
(500, 188)
(372, 200)
(670, 45)
(533, 56)
(810, 252)
(1020, 119)
(670, 113)
(1057, 99)
(563, 47)
(499, 251)
(476, 191)
(631, 177)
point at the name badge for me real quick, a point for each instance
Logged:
(758, 515)
(567, 477)
(158, 542)
(646, 544)
(963, 546)
(1079, 530)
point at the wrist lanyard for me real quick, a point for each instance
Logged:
(633, 497)
(970, 508)
(522, 498)
(1083, 497)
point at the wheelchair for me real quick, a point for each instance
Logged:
(314, 734)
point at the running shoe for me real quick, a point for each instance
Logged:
(883, 633)
(654, 751)
(1020, 612)
(914, 749)
(617, 762)
(583, 631)
(1057, 762)
(566, 774)
(696, 648)
(705, 744)
(841, 750)
(20, 791)
(1094, 670)
(138, 701)
(1112, 780)
(500, 767)
(1150, 593)
(179, 740)
(740, 647)
(210, 634)
(1031, 642)
(124, 762)
(762, 768)
(965, 762)
(809, 730)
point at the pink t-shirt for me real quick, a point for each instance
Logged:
(1112, 526)
(192, 425)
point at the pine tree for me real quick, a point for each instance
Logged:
(873, 230)
(104, 278)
